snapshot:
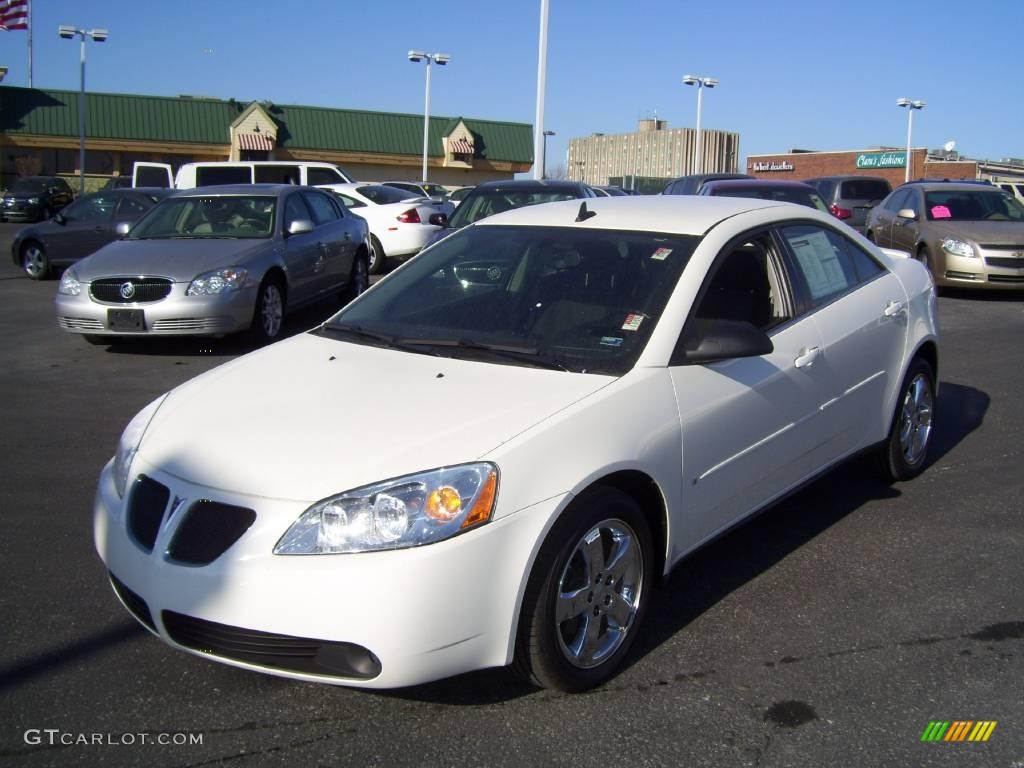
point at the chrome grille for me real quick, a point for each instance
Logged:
(191, 324)
(130, 290)
(1010, 262)
(80, 324)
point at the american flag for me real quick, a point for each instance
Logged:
(13, 14)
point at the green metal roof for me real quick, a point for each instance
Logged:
(206, 121)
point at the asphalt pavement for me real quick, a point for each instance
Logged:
(829, 631)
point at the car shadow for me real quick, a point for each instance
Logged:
(716, 570)
(981, 295)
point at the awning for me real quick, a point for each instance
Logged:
(257, 141)
(460, 147)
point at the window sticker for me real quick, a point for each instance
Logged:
(820, 264)
(611, 341)
(632, 321)
(941, 212)
(660, 254)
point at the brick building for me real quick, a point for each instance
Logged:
(887, 162)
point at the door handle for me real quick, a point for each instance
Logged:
(348, 236)
(807, 357)
(894, 308)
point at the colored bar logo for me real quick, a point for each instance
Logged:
(958, 730)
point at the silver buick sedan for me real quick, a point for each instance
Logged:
(215, 261)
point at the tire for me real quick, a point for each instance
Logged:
(587, 645)
(34, 260)
(925, 257)
(358, 280)
(870, 236)
(268, 313)
(905, 450)
(378, 259)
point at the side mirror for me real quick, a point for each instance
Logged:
(907, 213)
(438, 219)
(300, 226)
(710, 341)
(59, 218)
(122, 228)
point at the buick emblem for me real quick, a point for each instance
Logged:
(127, 290)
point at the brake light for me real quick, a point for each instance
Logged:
(412, 216)
(841, 213)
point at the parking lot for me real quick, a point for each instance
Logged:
(830, 630)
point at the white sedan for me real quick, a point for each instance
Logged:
(400, 222)
(494, 454)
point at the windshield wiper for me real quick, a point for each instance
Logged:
(380, 338)
(527, 355)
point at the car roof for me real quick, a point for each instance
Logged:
(239, 189)
(678, 214)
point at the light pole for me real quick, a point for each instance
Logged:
(911, 106)
(544, 155)
(701, 82)
(98, 36)
(431, 58)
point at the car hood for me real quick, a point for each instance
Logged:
(313, 416)
(179, 260)
(988, 232)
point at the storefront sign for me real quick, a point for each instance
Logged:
(780, 166)
(882, 160)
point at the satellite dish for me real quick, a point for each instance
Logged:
(949, 146)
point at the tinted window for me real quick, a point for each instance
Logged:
(961, 205)
(460, 194)
(130, 208)
(323, 211)
(827, 261)
(316, 176)
(383, 195)
(781, 194)
(408, 187)
(350, 202)
(483, 203)
(277, 174)
(209, 176)
(898, 200)
(147, 176)
(295, 210)
(864, 189)
(91, 208)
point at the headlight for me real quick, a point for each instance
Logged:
(129, 444)
(33, 201)
(406, 512)
(69, 285)
(218, 281)
(958, 247)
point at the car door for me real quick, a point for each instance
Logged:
(84, 227)
(750, 426)
(152, 175)
(334, 241)
(303, 257)
(904, 231)
(860, 309)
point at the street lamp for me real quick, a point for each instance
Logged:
(911, 106)
(98, 36)
(701, 82)
(544, 168)
(430, 58)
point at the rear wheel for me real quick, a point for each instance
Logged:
(906, 449)
(587, 593)
(925, 257)
(268, 315)
(377, 256)
(358, 281)
(34, 260)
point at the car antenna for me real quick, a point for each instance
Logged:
(584, 214)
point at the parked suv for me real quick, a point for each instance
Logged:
(966, 234)
(851, 198)
(35, 198)
(690, 185)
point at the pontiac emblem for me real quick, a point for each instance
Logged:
(127, 289)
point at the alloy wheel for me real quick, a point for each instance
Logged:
(916, 419)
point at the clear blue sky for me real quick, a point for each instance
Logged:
(794, 73)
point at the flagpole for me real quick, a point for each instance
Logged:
(30, 43)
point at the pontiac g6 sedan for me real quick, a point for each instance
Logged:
(493, 455)
(215, 261)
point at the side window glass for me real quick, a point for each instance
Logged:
(747, 285)
(277, 174)
(315, 176)
(130, 208)
(294, 210)
(321, 207)
(896, 201)
(823, 260)
(350, 202)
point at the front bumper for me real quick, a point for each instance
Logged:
(22, 212)
(993, 269)
(176, 315)
(422, 613)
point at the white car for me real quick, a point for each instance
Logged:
(400, 222)
(493, 454)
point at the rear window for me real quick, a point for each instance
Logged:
(382, 195)
(864, 189)
(223, 174)
(482, 204)
(147, 176)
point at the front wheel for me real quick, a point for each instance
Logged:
(358, 281)
(34, 261)
(587, 593)
(906, 449)
(268, 314)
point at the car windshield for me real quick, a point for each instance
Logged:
(968, 205)
(26, 187)
(209, 216)
(562, 298)
(483, 203)
(381, 195)
(796, 195)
